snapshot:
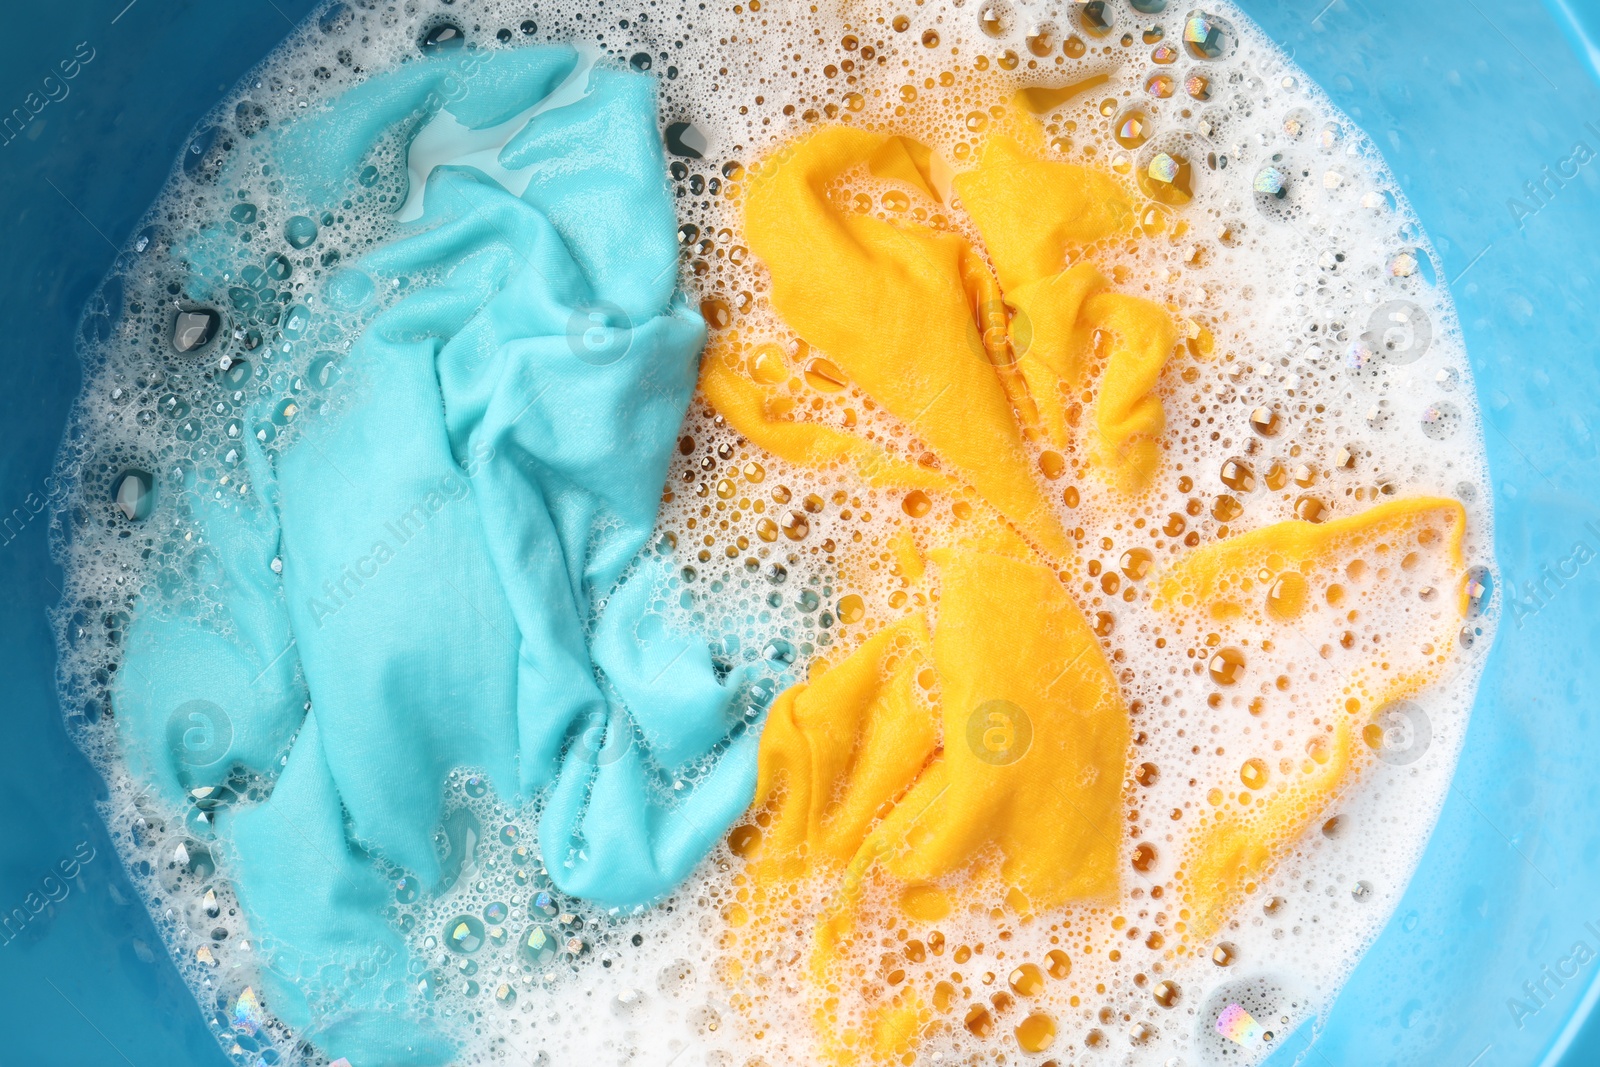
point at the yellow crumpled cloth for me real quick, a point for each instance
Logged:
(984, 740)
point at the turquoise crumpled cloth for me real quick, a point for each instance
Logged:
(465, 576)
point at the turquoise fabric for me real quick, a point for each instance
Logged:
(465, 575)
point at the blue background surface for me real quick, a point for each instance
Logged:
(1468, 101)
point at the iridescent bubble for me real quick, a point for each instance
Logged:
(247, 1018)
(1480, 589)
(1160, 86)
(1167, 176)
(1441, 420)
(1205, 36)
(1359, 356)
(1132, 129)
(463, 934)
(1403, 265)
(1272, 182)
(284, 412)
(538, 946)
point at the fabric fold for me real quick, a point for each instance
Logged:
(1077, 344)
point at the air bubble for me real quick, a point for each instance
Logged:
(445, 37)
(134, 494)
(195, 329)
(300, 232)
(1206, 37)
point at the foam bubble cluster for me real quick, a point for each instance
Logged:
(1321, 372)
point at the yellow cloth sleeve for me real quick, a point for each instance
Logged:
(1232, 581)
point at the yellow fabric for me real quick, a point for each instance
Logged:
(880, 783)
(867, 774)
(902, 159)
(1063, 207)
(835, 750)
(1230, 581)
(893, 306)
(1032, 214)
(1025, 791)
(1051, 810)
(760, 414)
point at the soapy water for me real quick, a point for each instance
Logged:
(1327, 374)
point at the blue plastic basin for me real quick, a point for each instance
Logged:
(1469, 102)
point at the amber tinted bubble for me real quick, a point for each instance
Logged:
(1227, 666)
